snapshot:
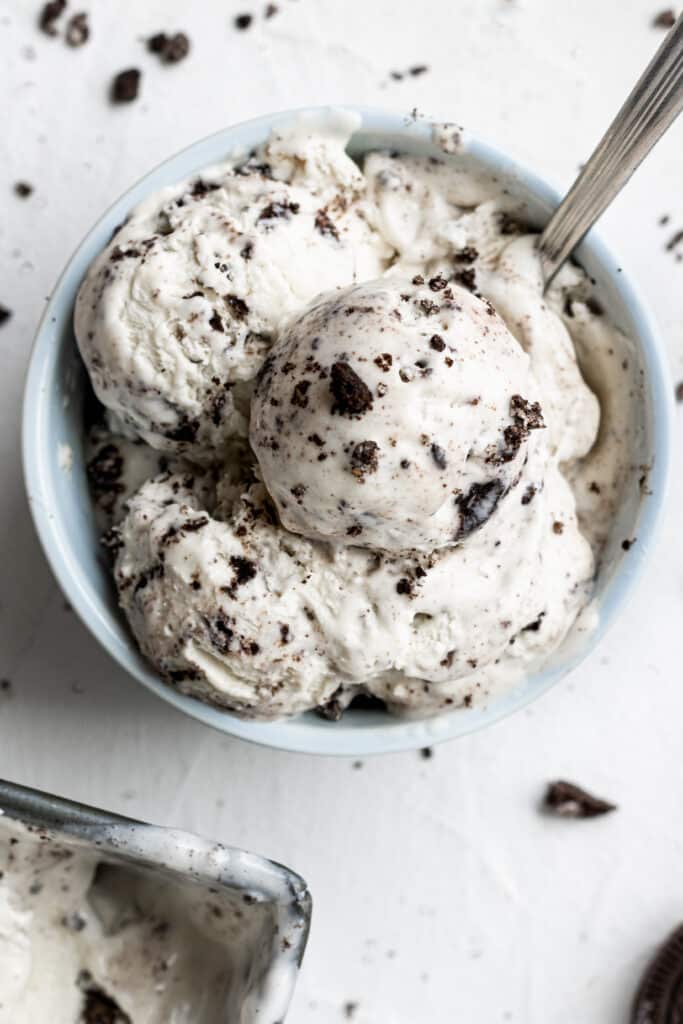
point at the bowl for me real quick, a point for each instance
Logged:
(58, 492)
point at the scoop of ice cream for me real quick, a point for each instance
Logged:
(395, 414)
(176, 315)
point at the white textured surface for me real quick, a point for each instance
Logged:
(441, 895)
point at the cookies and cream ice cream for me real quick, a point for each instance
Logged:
(393, 415)
(87, 939)
(409, 480)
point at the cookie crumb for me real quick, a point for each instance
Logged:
(665, 19)
(427, 753)
(243, 21)
(23, 189)
(49, 16)
(5, 314)
(570, 801)
(679, 391)
(126, 86)
(170, 49)
(77, 30)
(270, 11)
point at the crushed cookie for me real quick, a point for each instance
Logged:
(278, 211)
(352, 396)
(125, 86)
(570, 801)
(300, 394)
(171, 49)
(325, 225)
(77, 30)
(237, 306)
(50, 15)
(364, 459)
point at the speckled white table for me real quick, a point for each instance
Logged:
(441, 894)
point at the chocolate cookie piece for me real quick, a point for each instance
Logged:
(50, 15)
(477, 506)
(243, 21)
(126, 86)
(364, 459)
(23, 189)
(352, 396)
(77, 30)
(665, 19)
(170, 48)
(659, 998)
(570, 801)
(5, 314)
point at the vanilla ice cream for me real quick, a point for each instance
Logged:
(430, 479)
(176, 315)
(393, 415)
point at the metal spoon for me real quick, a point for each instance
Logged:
(654, 103)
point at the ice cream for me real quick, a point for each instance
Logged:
(393, 415)
(87, 939)
(430, 478)
(176, 315)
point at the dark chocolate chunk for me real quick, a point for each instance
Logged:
(659, 998)
(49, 15)
(243, 21)
(364, 459)
(5, 314)
(126, 86)
(352, 396)
(477, 506)
(570, 801)
(23, 189)
(437, 343)
(665, 19)
(77, 30)
(170, 49)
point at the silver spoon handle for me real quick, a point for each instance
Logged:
(652, 106)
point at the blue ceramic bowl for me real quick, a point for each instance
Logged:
(53, 417)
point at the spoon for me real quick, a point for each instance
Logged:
(652, 106)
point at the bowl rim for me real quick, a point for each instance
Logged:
(308, 733)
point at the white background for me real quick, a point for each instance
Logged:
(441, 894)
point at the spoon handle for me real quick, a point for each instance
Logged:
(654, 103)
